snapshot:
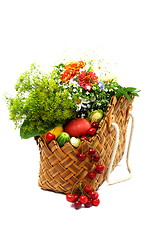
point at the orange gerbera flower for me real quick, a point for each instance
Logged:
(71, 70)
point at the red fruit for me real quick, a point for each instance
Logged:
(91, 131)
(81, 156)
(100, 168)
(75, 197)
(89, 203)
(84, 138)
(92, 152)
(93, 195)
(78, 127)
(96, 202)
(50, 136)
(96, 158)
(83, 199)
(77, 204)
(92, 175)
(88, 189)
(95, 125)
(70, 197)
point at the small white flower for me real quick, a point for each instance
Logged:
(87, 93)
(98, 104)
(73, 83)
(69, 96)
(81, 103)
(74, 90)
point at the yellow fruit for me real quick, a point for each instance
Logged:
(57, 130)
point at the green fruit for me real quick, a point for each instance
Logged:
(63, 138)
(95, 116)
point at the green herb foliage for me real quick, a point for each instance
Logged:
(39, 104)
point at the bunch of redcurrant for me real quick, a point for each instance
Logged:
(87, 199)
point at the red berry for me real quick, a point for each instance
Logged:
(93, 195)
(100, 168)
(95, 125)
(92, 131)
(75, 197)
(96, 158)
(77, 204)
(81, 156)
(92, 152)
(88, 189)
(92, 175)
(96, 202)
(89, 203)
(70, 197)
(83, 199)
(50, 136)
(84, 138)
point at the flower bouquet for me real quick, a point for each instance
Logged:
(69, 111)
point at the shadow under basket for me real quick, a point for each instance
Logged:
(60, 169)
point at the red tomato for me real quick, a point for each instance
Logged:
(50, 136)
(78, 127)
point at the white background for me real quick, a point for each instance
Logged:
(126, 32)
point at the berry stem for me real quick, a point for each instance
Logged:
(75, 185)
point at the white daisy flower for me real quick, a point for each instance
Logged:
(73, 83)
(81, 103)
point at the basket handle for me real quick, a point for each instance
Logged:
(115, 125)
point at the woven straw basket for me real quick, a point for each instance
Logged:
(59, 167)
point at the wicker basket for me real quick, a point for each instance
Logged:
(59, 167)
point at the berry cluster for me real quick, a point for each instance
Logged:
(95, 157)
(88, 198)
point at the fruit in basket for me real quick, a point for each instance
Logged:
(75, 141)
(92, 152)
(96, 202)
(88, 189)
(70, 197)
(83, 199)
(81, 156)
(92, 174)
(88, 204)
(93, 194)
(95, 124)
(78, 127)
(49, 136)
(84, 138)
(57, 130)
(92, 131)
(63, 138)
(95, 116)
(77, 205)
(96, 158)
(99, 168)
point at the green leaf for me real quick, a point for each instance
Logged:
(129, 89)
(25, 133)
(123, 92)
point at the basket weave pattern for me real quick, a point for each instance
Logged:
(59, 167)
